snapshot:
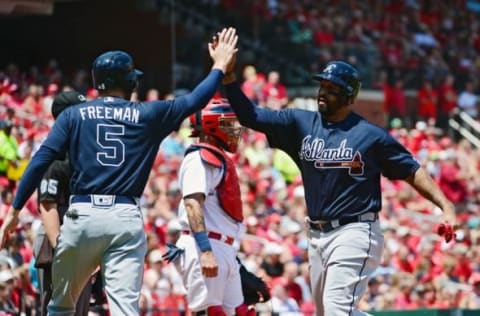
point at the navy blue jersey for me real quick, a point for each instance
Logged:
(54, 186)
(112, 142)
(341, 163)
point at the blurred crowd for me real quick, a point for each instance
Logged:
(414, 40)
(418, 269)
(428, 47)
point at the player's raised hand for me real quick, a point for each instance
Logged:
(10, 222)
(449, 214)
(223, 48)
(209, 264)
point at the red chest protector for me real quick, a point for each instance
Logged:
(228, 190)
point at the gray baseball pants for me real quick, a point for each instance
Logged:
(110, 237)
(341, 262)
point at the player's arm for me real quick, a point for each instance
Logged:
(222, 55)
(428, 188)
(48, 195)
(30, 179)
(398, 163)
(50, 220)
(193, 206)
(55, 143)
(258, 118)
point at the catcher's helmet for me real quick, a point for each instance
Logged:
(114, 70)
(343, 75)
(217, 119)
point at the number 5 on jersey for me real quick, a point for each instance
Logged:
(112, 151)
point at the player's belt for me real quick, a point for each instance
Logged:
(213, 235)
(102, 200)
(326, 226)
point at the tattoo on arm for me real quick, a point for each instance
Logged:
(194, 206)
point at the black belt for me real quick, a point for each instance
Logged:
(326, 226)
(118, 199)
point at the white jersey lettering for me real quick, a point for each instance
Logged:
(117, 113)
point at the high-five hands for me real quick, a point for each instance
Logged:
(223, 48)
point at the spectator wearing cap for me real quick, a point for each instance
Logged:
(271, 262)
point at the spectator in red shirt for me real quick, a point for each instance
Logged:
(395, 101)
(447, 101)
(253, 83)
(427, 101)
(452, 180)
(323, 35)
(403, 260)
(274, 93)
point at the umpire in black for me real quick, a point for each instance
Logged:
(53, 200)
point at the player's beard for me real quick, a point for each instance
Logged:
(326, 106)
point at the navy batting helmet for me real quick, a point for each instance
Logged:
(114, 70)
(343, 75)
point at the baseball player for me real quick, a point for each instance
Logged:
(211, 215)
(112, 143)
(341, 157)
(53, 195)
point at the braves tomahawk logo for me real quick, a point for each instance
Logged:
(327, 158)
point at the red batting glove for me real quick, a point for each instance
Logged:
(447, 231)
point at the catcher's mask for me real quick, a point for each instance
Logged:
(218, 120)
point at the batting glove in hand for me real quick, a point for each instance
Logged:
(447, 232)
(173, 253)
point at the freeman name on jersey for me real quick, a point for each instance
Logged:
(113, 113)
